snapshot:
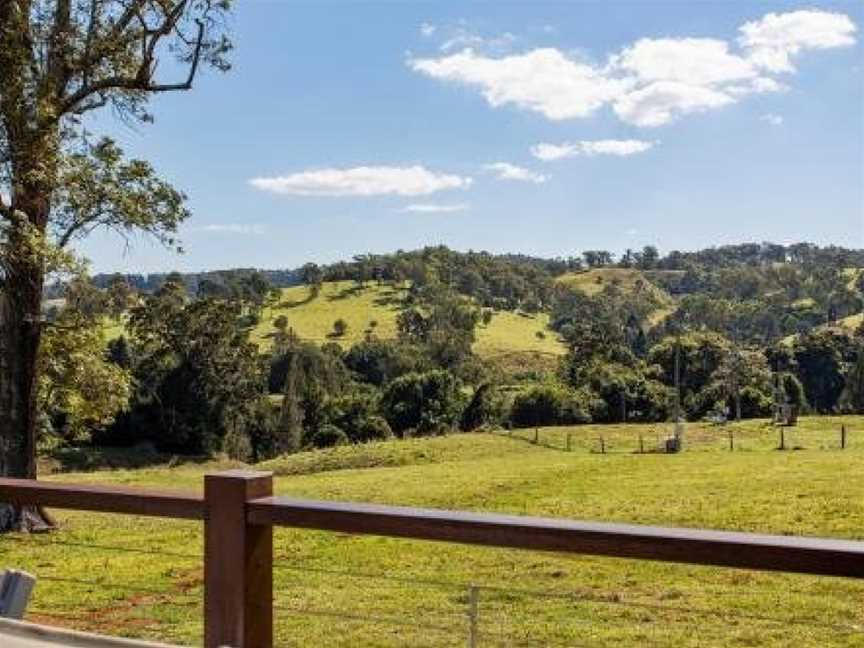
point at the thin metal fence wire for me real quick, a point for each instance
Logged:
(725, 613)
(176, 599)
(350, 616)
(133, 587)
(454, 629)
(119, 549)
(573, 596)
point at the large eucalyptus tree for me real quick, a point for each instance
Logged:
(59, 61)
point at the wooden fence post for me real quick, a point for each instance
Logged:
(569, 446)
(731, 440)
(536, 436)
(641, 445)
(843, 437)
(782, 439)
(238, 562)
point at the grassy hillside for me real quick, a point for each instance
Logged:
(327, 585)
(591, 282)
(312, 319)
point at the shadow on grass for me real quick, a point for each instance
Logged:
(345, 293)
(297, 302)
(89, 459)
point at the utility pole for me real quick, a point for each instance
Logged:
(677, 378)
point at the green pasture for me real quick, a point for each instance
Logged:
(344, 590)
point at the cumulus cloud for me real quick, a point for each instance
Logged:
(663, 101)
(425, 208)
(542, 80)
(507, 171)
(622, 148)
(363, 181)
(651, 82)
(427, 29)
(693, 61)
(773, 40)
(774, 120)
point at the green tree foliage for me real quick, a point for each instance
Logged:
(701, 354)
(197, 375)
(356, 412)
(487, 408)
(377, 362)
(852, 398)
(422, 403)
(549, 404)
(628, 394)
(58, 63)
(289, 433)
(340, 328)
(328, 436)
(820, 359)
(80, 389)
(443, 325)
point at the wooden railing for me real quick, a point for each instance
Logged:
(239, 512)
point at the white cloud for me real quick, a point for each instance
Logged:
(461, 37)
(231, 228)
(663, 101)
(774, 120)
(436, 209)
(363, 181)
(694, 61)
(507, 171)
(548, 152)
(649, 83)
(543, 80)
(427, 29)
(773, 40)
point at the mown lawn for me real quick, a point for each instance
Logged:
(329, 584)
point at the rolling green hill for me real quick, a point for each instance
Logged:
(328, 585)
(630, 280)
(509, 334)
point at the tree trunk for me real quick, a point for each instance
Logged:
(20, 334)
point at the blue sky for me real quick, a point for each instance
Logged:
(543, 128)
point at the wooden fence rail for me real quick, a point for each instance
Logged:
(239, 512)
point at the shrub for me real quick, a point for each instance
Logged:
(375, 428)
(487, 408)
(329, 435)
(549, 405)
(340, 327)
(755, 403)
(430, 402)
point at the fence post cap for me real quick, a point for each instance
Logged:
(239, 473)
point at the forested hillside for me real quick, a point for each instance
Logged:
(429, 341)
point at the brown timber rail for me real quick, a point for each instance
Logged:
(239, 513)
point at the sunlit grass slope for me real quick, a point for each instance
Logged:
(312, 319)
(629, 280)
(328, 585)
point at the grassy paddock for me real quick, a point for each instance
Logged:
(329, 584)
(312, 319)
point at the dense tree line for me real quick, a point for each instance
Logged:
(186, 377)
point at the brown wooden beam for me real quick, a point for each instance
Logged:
(114, 499)
(238, 563)
(728, 549)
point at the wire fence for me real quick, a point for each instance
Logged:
(699, 437)
(314, 603)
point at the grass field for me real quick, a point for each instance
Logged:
(506, 335)
(327, 585)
